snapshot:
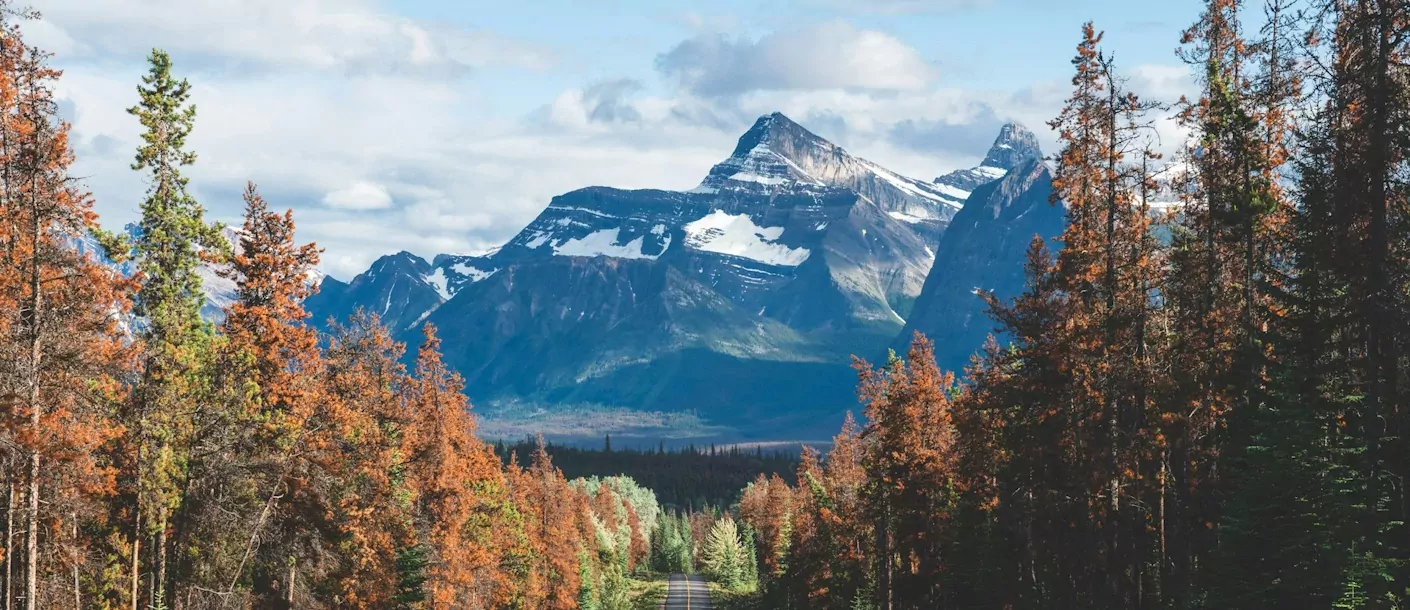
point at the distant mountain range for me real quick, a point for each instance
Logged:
(740, 300)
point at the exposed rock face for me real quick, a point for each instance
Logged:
(1014, 145)
(776, 151)
(396, 288)
(983, 249)
(219, 290)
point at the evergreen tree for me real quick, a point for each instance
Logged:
(361, 473)
(451, 474)
(722, 556)
(173, 237)
(750, 576)
(587, 590)
(909, 461)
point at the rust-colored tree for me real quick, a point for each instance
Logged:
(450, 470)
(275, 355)
(63, 355)
(909, 460)
(556, 530)
(361, 453)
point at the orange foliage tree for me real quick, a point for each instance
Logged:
(63, 358)
(451, 472)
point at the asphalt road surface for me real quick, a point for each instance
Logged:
(686, 592)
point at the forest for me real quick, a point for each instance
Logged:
(1195, 405)
(154, 459)
(1200, 406)
(689, 478)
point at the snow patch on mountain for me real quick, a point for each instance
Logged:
(221, 291)
(737, 235)
(440, 282)
(952, 192)
(472, 274)
(748, 176)
(605, 243)
(907, 185)
(907, 218)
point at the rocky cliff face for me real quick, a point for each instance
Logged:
(778, 152)
(1014, 145)
(400, 288)
(219, 291)
(983, 250)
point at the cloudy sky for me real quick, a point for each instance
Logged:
(446, 125)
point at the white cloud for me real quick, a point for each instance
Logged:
(603, 102)
(832, 55)
(1164, 82)
(359, 196)
(345, 114)
(349, 35)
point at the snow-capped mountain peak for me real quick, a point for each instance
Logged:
(1014, 145)
(778, 154)
(790, 256)
(773, 153)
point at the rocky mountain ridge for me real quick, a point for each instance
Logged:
(789, 256)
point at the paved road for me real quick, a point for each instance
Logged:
(686, 592)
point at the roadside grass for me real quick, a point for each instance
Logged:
(734, 599)
(648, 594)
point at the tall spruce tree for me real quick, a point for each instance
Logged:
(173, 237)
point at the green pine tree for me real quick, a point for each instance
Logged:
(751, 559)
(723, 554)
(168, 250)
(411, 574)
(587, 591)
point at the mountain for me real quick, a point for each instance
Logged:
(400, 289)
(740, 299)
(776, 151)
(1014, 145)
(983, 249)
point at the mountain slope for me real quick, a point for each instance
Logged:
(219, 290)
(984, 249)
(778, 152)
(400, 288)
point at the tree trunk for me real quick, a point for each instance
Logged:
(35, 355)
(883, 560)
(77, 590)
(1376, 312)
(160, 580)
(10, 546)
(289, 595)
(136, 554)
(32, 536)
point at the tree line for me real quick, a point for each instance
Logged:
(153, 459)
(1192, 406)
(689, 479)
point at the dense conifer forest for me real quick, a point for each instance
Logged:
(689, 478)
(1197, 405)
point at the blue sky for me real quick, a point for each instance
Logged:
(445, 126)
